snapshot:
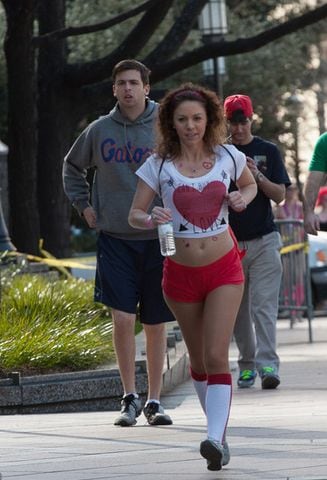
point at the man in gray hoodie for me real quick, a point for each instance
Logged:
(129, 263)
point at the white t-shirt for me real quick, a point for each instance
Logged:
(198, 205)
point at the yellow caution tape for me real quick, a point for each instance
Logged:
(55, 262)
(296, 246)
(52, 261)
(68, 263)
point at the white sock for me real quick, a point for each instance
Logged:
(131, 393)
(200, 383)
(201, 390)
(152, 400)
(217, 408)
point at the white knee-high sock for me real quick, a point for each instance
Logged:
(200, 384)
(218, 402)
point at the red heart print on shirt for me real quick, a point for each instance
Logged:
(200, 208)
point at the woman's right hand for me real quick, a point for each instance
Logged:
(160, 215)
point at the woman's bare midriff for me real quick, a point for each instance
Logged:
(197, 252)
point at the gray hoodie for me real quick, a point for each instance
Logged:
(115, 147)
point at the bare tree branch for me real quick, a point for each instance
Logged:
(95, 71)
(178, 33)
(99, 94)
(242, 45)
(96, 27)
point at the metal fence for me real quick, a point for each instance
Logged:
(295, 298)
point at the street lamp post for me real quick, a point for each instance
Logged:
(213, 25)
(294, 105)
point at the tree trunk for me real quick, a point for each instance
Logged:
(56, 126)
(322, 81)
(22, 175)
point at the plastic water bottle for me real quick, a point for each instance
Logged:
(166, 239)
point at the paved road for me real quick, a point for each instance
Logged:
(279, 434)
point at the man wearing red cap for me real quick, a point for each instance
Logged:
(317, 177)
(257, 233)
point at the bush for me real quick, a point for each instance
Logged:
(52, 326)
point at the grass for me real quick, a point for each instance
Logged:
(51, 326)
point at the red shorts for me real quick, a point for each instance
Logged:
(192, 284)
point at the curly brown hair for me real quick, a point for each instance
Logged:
(168, 144)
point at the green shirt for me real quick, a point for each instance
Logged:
(319, 157)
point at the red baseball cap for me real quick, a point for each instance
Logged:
(321, 195)
(238, 107)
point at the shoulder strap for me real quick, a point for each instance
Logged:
(161, 165)
(225, 148)
(160, 168)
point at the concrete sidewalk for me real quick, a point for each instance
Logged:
(280, 434)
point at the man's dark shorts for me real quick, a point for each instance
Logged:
(128, 274)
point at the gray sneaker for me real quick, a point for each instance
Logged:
(156, 415)
(130, 409)
(226, 454)
(213, 452)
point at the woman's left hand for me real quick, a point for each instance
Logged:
(236, 201)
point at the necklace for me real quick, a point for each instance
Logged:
(205, 165)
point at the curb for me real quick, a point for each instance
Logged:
(87, 390)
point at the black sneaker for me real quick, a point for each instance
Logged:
(269, 378)
(130, 409)
(156, 415)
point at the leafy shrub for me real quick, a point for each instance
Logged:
(52, 326)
